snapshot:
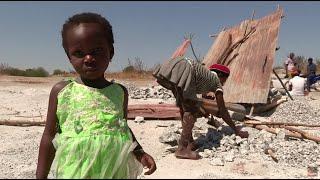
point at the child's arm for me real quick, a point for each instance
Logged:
(145, 159)
(47, 150)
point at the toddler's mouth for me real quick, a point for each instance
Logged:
(91, 68)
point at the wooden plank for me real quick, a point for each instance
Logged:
(154, 111)
(251, 64)
(167, 111)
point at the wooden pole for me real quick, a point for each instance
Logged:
(280, 123)
(282, 84)
(304, 134)
(300, 134)
(251, 110)
(22, 122)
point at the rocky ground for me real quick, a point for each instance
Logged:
(224, 155)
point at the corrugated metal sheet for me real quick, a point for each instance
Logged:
(251, 62)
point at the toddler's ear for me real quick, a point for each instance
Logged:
(111, 53)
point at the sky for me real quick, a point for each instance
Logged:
(30, 31)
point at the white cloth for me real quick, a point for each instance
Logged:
(290, 63)
(298, 84)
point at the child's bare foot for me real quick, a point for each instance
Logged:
(186, 153)
(193, 146)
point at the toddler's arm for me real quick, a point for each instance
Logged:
(144, 158)
(47, 150)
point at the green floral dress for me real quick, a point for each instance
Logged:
(95, 140)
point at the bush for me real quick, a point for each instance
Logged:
(34, 72)
(14, 72)
(128, 69)
(58, 72)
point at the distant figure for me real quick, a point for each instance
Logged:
(297, 84)
(290, 65)
(86, 134)
(311, 73)
(186, 78)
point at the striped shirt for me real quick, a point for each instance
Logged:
(204, 80)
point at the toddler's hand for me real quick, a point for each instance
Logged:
(147, 161)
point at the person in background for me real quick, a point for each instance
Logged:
(297, 84)
(311, 73)
(290, 65)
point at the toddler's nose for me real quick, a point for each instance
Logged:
(88, 58)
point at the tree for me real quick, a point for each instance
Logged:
(301, 63)
(4, 67)
(139, 65)
(129, 67)
(57, 72)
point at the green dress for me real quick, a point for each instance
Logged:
(95, 140)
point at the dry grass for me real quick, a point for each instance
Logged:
(130, 75)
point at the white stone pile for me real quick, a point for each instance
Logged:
(220, 145)
(297, 111)
(154, 92)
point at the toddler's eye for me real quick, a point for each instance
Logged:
(96, 51)
(78, 54)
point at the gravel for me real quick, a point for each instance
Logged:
(297, 111)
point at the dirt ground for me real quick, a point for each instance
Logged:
(23, 97)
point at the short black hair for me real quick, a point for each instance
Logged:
(310, 59)
(87, 17)
(220, 73)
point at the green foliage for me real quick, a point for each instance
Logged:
(58, 72)
(138, 66)
(34, 72)
(128, 69)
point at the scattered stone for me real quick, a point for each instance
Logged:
(229, 157)
(171, 149)
(169, 137)
(217, 162)
(139, 119)
(281, 134)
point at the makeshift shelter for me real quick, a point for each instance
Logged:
(249, 50)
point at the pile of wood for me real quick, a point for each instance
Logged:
(291, 128)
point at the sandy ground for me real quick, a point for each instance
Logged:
(28, 97)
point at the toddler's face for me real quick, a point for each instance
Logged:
(88, 50)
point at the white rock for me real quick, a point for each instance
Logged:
(139, 119)
(203, 154)
(229, 157)
(171, 148)
(168, 137)
(217, 162)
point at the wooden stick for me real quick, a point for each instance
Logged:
(282, 84)
(289, 133)
(304, 134)
(280, 123)
(21, 122)
(194, 54)
(226, 54)
(271, 153)
(251, 110)
(273, 131)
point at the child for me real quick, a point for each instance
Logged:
(86, 133)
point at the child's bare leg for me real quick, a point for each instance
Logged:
(185, 146)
